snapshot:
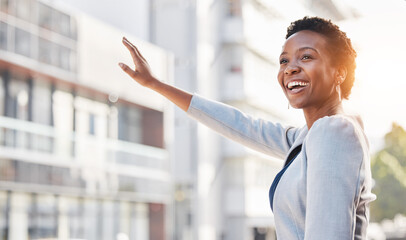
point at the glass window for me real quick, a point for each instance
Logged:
(47, 52)
(91, 123)
(43, 217)
(23, 9)
(18, 98)
(76, 219)
(62, 23)
(129, 124)
(153, 126)
(73, 27)
(7, 170)
(72, 59)
(22, 42)
(17, 107)
(112, 122)
(4, 208)
(92, 219)
(2, 101)
(2, 96)
(64, 58)
(234, 7)
(3, 35)
(45, 16)
(5, 6)
(41, 102)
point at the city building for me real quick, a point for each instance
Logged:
(84, 152)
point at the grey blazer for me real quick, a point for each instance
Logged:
(326, 190)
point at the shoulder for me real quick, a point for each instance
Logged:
(338, 133)
(340, 126)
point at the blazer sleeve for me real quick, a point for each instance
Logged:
(264, 136)
(335, 156)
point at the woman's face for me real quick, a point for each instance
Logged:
(306, 74)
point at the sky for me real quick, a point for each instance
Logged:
(378, 35)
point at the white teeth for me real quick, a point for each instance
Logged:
(294, 83)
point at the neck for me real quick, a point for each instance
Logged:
(312, 114)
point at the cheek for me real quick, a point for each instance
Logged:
(280, 78)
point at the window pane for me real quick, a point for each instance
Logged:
(91, 124)
(75, 215)
(64, 58)
(3, 35)
(24, 9)
(45, 16)
(18, 98)
(72, 62)
(43, 217)
(5, 6)
(234, 7)
(22, 42)
(152, 126)
(45, 51)
(2, 97)
(92, 220)
(62, 23)
(41, 102)
(48, 52)
(3, 215)
(129, 124)
(73, 29)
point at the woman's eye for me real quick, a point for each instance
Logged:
(282, 61)
(305, 57)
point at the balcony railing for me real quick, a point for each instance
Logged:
(42, 144)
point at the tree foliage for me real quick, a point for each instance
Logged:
(389, 173)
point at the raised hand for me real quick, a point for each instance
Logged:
(142, 72)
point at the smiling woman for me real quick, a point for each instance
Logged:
(324, 189)
(308, 76)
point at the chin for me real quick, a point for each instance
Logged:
(296, 105)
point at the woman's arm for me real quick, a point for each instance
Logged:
(336, 155)
(142, 74)
(264, 136)
(260, 135)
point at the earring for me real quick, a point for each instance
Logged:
(338, 90)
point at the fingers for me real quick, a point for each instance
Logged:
(135, 48)
(127, 69)
(134, 54)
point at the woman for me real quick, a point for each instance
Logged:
(324, 189)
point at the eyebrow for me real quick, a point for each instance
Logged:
(302, 49)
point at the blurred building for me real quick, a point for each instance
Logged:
(84, 152)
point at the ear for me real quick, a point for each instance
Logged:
(341, 74)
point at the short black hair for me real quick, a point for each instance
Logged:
(339, 45)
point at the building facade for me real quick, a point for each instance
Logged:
(84, 152)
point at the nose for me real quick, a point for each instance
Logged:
(291, 69)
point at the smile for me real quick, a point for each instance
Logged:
(296, 86)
